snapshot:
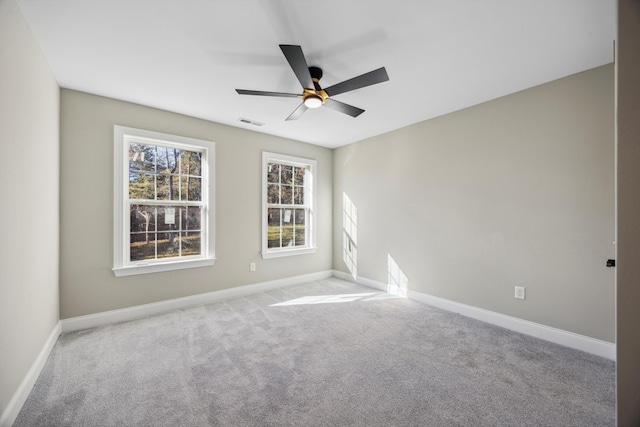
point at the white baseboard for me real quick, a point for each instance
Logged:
(139, 311)
(360, 280)
(555, 335)
(14, 406)
(559, 336)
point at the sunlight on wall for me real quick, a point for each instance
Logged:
(350, 235)
(398, 283)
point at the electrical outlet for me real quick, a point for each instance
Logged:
(252, 266)
(519, 292)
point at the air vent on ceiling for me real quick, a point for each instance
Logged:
(250, 122)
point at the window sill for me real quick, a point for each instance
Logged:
(132, 270)
(288, 252)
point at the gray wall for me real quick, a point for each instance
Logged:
(516, 191)
(87, 284)
(628, 203)
(29, 103)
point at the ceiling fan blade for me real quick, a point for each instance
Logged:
(298, 112)
(371, 78)
(343, 108)
(298, 64)
(263, 93)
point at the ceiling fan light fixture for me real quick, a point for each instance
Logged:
(313, 101)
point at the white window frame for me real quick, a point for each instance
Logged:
(122, 266)
(310, 203)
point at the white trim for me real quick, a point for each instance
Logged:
(18, 399)
(288, 252)
(139, 311)
(360, 280)
(163, 266)
(548, 333)
(559, 336)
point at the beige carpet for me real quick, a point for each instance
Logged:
(329, 353)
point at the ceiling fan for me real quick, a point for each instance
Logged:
(314, 96)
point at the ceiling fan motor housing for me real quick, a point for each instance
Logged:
(314, 99)
(316, 73)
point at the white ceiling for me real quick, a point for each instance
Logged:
(189, 56)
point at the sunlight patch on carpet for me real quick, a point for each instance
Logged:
(334, 299)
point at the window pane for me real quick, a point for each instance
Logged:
(273, 193)
(142, 157)
(274, 217)
(162, 186)
(273, 228)
(273, 172)
(142, 219)
(195, 189)
(173, 159)
(141, 186)
(298, 198)
(287, 216)
(285, 195)
(168, 218)
(286, 174)
(161, 159)
(273, 237)
(168, 245)
(298, 178)
(174, 187)
(191, 163)
(184, 187)
(167, 159)
(167, 186)
(300, 235)
(191, 218)
(300, 227)
(190, 242)
(287, 236)
(142, 246)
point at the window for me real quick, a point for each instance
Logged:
(288, 220)
(163, 202)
